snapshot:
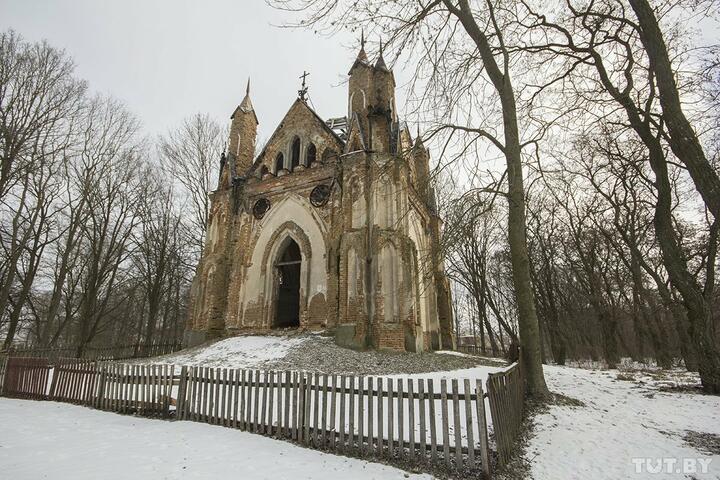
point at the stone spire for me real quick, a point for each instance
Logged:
(362, 56)
(246, 105)
(421, 157)
(380, 63)
(243, 130)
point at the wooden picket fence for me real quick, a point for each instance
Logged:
(26, 378)
(145, 390)
(142, 389)
(394, 418)
(73, 381)
(437, 423)
(97, 352)
(506, 392)
(3, 366)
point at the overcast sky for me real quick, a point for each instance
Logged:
(169, 59)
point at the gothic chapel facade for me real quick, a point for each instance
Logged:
(332, 226)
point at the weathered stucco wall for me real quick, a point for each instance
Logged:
(293, 216)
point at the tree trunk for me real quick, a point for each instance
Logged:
(683, 139)
(527, 315)
(698, 308)
(517, 230)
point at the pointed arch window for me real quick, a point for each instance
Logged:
(279, 163)
(310, 155)
(328, 153)
(295, 153)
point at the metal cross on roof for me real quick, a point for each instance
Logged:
(302, 93)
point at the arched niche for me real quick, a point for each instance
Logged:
(422, 274)
(305, 229)
(310, 155)
(294, 153)
(279, 162)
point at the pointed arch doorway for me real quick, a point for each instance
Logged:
(287, 278)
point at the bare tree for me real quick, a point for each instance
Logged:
(475, 241)
(157, 241)
(114, 200)
(626, 63)
(464, 47)
(191, 154)
(38, 96)
(89, 229)
(39, 100)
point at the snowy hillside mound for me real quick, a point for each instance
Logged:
(320, 354)
(236, 352)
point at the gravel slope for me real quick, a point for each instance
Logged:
(321, 354)
(316, 353)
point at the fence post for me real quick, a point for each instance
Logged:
(469, 424)
(301, 410)
(101, 386)
(3, 371)
(54, 382)
(182, 393)
(482, 428)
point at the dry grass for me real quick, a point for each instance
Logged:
(708, 443)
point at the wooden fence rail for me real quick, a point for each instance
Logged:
(506, 392)
(96, 352)
(441, 423)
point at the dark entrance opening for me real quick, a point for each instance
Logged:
(287, 311)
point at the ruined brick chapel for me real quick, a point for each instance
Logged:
(331, 226)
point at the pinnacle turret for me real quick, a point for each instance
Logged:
(418, 139)
(246, 105)
(362, 56)
(380, 63)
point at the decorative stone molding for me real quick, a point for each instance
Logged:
(292, 229)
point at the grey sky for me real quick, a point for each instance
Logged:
(169, 59)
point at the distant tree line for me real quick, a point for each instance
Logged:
(100, 227)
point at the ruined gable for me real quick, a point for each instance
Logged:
(300, 140)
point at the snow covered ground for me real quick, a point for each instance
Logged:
(627, 429)
(236, 352)
(634, 424)
(59, 441)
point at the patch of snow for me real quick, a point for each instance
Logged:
(480, 372)
(621, 422)
(453, 352)
(235, 352)
(625, 363)
(468, 355)
(60, 441)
